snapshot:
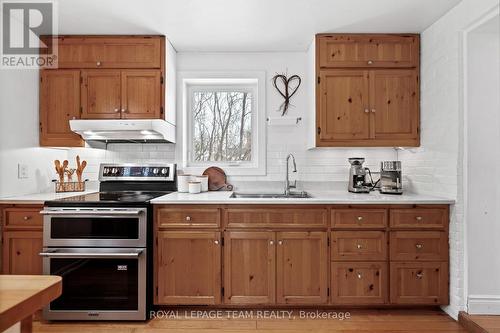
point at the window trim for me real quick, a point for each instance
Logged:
(249, 81)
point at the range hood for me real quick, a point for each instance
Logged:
(124, 130)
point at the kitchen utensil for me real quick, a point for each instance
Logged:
(217, 179)
(69, 174)
(203, 179)
(194, 187)
(80, 166)
(183, 183)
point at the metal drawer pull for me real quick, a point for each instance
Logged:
(367, 111)
(418, 218)
(271, 242)
(188, 218)
(96, 255)
(374, 110)
(98, 63)
(360, 218)
(26, 218)
(280, 242)
(359, 246)
(370, 62)
(216, 242)
(99, 212)
(360, 276)
(419, 275)
(419, 246)
(117, 110)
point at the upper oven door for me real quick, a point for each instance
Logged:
(97, 227)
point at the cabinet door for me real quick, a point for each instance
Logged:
(302, 261)
(59, 103)
(20, 252)
(423, 283)
(141, 94)
(394, 100)
(356, 283)
(343, 110)
(368, 50)
(188, 267)
(249, 267)
(101, 94)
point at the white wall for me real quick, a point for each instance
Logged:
(19, 135)
(436, 167)
(482, 125)
(312, 165)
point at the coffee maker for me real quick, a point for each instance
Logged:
(357, 174)
(390, 177)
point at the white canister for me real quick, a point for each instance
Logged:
(194, 187)
(203, 179)
(183, 183)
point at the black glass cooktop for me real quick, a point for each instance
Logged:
(108, 198)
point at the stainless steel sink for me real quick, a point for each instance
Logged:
(298, 195)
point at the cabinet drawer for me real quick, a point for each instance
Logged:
(359, 218)
(359, 245)
(359, 283)
(187, 217)
(419, 283)
(435, 218)
(368, 51)
(23, 218)
(419, 245)
(276, 217)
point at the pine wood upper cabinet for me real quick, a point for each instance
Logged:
(59, 103)
(394, 98)
(367, 92)
(249, 267)
(20, 252)
(188, 267)
(121, 94)
(344, 102)
(101, 94)
(110, 51)
(302, 268)
(375, 50)
(141, 94)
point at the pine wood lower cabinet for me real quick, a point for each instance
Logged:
(278, 255)
(249, 267)
(20, 252)
(302, 268)
(188, 267)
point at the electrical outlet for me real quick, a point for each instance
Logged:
(22, 171)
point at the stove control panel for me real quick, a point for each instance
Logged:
(137, 172)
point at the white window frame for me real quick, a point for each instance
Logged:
(253, 82)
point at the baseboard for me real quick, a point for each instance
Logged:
(484, 304)
(469, 324)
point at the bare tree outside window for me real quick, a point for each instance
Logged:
(222, 126)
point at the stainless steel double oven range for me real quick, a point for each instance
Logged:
(101, 244)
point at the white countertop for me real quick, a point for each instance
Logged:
(318, 197)
(40, 198)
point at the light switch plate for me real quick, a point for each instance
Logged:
(22, 171)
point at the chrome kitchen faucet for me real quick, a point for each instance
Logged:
(289, 186)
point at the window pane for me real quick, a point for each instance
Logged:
(222, 126)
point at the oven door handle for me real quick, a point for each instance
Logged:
(85, 255)
(91, 212)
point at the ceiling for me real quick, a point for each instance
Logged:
(246, 25)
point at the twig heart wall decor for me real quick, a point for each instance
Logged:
(287, 87)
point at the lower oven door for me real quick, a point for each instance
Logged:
(98, 283)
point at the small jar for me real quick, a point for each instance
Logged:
(183, 183)
(194, 187)
(203, 179)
